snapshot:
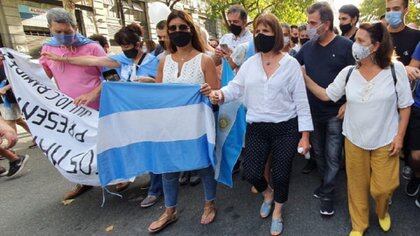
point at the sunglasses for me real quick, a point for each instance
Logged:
(182, 27)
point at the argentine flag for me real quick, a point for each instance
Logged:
(159, 128)
(231, 127)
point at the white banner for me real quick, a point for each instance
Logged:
(66, 133)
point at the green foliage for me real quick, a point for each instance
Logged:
(290, 11)
(371, 10)
(293, 12)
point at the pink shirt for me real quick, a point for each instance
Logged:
(71, 79)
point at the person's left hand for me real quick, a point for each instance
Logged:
(304, 143)
(9, 134)
(205, 89)
(396, 146)
(85, 99)
(341, 112)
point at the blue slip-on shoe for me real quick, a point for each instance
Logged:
(276, 227)
(266, 209)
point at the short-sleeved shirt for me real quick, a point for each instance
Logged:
(75, 80)
(416, 56)
(148, 67)
(322, 65)
(405, 42)
(371, 118)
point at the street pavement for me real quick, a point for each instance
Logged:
(32, 205)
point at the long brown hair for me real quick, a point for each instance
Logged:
(379, 34)
(196, 41)
(271, 21)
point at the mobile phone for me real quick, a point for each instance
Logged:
(224, 47)
(111, 75)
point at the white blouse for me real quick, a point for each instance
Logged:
(190, 73)
(276, 99)
(371, 117)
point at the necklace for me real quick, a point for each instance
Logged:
(186, 55)
(270, 61)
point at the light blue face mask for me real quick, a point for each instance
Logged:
(65, 39)
(394, 18)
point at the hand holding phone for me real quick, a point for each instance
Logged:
(111, 75)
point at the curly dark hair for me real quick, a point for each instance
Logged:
(130, 34)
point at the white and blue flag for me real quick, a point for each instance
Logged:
(231, 127)
(159, 128)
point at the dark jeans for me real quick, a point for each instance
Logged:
(156, 188)
(327, 143)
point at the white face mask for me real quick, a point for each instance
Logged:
(313, 32)
(286, 40)
(360, 52)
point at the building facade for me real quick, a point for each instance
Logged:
(23, 23)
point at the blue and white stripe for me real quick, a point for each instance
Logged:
(157, 128)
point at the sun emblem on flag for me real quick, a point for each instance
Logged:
(224, 122)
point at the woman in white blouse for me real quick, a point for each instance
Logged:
(186, 63)
(376, 89)
(275, 96)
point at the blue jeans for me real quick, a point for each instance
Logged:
(327, 143)
(171, 186)
(155, 188)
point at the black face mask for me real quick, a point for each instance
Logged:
(345, 28)
(180, 38)
(264, 43)
(235, 29)
(295, 39)
(303, 40)
(162, 44)
(131, 53)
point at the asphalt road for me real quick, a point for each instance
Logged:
(31, 205)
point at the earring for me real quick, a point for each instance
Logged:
(372, 57)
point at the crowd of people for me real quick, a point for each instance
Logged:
(350, 100)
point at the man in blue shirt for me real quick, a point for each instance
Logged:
(323, 57)
(413, 130)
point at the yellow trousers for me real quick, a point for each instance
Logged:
(369, 171)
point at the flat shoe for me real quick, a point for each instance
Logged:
(163, 221)
(121, 186)
(266, 209)
(209, 210)
(276, 227)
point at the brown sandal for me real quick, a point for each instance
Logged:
(163, 221)
(209, 212)
(122, 186)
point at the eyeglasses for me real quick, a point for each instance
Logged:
(343, 18)
(181, 27)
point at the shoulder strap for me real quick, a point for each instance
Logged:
(142, 58)
(394, 77)
(348, 74)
